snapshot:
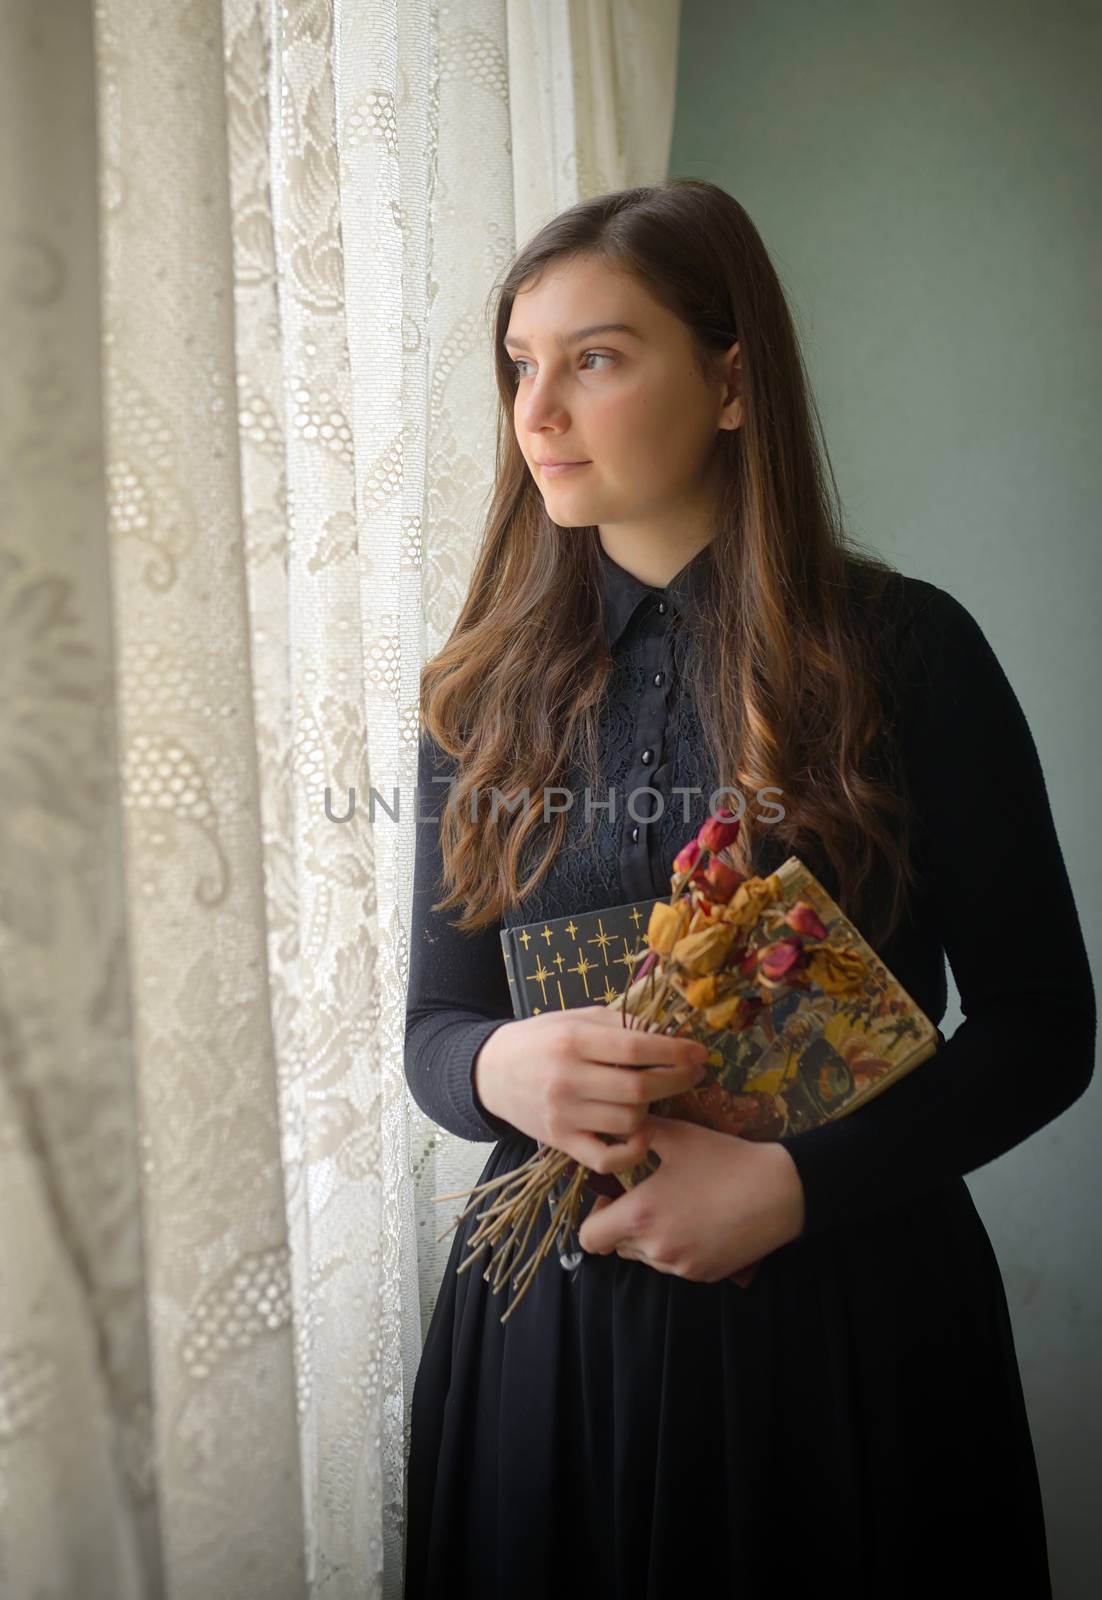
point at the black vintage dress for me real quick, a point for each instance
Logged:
(855, 1417)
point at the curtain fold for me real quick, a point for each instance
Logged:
(246, 441)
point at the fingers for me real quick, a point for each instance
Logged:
(598, 1156)
(606, 1016)
(614, 1086)
(591, 1087)
(633, 1047)
(622, 1120)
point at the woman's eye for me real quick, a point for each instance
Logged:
(601, 355)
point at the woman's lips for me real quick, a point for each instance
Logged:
(565, 466)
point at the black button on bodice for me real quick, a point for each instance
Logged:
(642, 625)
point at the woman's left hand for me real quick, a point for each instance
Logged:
(716, 1204)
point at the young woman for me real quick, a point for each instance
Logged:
(679, 612)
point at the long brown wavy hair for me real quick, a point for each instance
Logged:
(788, 688)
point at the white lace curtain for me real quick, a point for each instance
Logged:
(246, 432)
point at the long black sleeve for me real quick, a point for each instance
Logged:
(458, 990)
(1002, 905)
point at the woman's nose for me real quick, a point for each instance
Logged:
(542, 404)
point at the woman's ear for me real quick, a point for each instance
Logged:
(733, 415)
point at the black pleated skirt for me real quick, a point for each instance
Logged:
(854, 1418)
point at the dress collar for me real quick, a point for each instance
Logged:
(624, 593)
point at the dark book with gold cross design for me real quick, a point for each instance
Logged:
(581, 960)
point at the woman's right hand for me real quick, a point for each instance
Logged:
(560, 1079)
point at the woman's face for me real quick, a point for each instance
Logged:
(632, 405)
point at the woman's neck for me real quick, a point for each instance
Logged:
(653, 561)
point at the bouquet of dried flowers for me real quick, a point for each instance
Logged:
(723, 948)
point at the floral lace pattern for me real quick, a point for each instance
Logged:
(246, 442)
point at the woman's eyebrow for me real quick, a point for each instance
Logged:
(565, 339)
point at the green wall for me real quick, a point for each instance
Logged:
(926, 179)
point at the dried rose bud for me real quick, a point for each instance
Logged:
(721, 880)
(719, 831)
(805, 919)
(777, 959)
(685, 859)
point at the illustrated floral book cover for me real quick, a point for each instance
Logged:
(815, 1052)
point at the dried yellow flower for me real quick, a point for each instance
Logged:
(750, 899)
(725, 1014)
(667, 924)
(704, 952)
(700, 992)
(836, 971)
